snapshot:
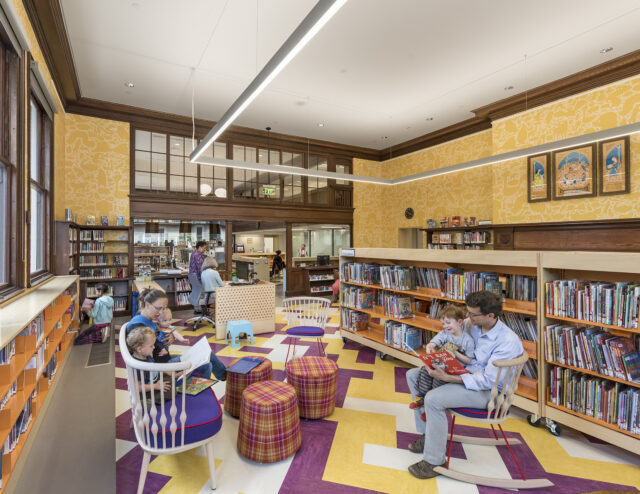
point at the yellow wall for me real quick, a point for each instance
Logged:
(604, 108)
(96, 168)
(379, 209)
(498, 192)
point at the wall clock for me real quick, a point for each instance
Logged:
(408, 213)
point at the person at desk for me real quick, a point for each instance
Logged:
(210, 277)
(197, 258)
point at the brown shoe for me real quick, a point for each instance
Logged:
(417, 446)
(423, 470)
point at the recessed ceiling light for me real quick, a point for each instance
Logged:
(320, 124)
(428, 119)
(508, 88)
(129, 84)
(606, 50)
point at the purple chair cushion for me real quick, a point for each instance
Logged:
(204, 419)
(305, 331)
(474, 413)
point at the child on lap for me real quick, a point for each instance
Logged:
(452, 339)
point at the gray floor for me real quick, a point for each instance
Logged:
(74, 446)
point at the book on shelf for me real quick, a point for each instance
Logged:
(484, 222)
(631, 362)
(354, 320)
(120, 220)
(91, 219)
(104, 220)
(397, 306)
(402, 336)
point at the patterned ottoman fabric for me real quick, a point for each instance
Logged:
(236, 384)
(315, 380)
(269, 424)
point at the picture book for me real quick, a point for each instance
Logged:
(445, 361)
(104, 220)
(120, 220)
(195, 385)
(91, 220)
(88, 303)
(197, 354)
(632, 366)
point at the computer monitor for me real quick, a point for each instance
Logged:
(323, 260)
(242, 270)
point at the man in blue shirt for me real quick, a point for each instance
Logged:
(494, 341)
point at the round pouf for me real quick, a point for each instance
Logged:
(269, 424)
(315, 380)
(236, 384)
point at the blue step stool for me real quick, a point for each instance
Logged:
(234, 328)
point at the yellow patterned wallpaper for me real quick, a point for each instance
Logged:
(96, 167)
(379, 209)
(604, 108)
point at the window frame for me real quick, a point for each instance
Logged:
(12, 92)
(44, 184)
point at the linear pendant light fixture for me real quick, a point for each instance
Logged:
(600, 135)
(306, 30)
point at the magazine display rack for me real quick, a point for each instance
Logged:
(37, 330)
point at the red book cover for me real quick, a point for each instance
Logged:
(444, 360)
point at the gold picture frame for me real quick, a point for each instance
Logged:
(574, 174)
(614, 175)
(539, 178)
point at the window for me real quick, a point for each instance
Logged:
(317, 187)
(11, 195)
(343, 169)
(292, 184)
(162, 163)
(269, 182)
(40, 134)
(245, 182)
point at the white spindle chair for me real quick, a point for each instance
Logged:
(306, 317)
(176, 438)
(496, 413)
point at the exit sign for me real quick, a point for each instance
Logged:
(268, 191)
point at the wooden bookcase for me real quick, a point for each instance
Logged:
(598, 267)
(514, 263)
(319, 280)
(53, 308)
(460, 238)
(177, 288)
(100, 254)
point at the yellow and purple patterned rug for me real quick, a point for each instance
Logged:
(362, 447)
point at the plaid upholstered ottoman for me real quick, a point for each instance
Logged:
(236, 384)
(269, 424)
(315, 380)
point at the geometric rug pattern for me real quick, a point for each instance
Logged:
(362, 447)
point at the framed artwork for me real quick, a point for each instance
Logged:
(538, 178)
(613, 171)
(574, 172)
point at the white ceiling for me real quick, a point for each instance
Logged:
(372, 75)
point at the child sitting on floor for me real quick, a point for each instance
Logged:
(452, 339)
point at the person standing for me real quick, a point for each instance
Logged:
(197, 258)
(494, 341)
(303, 251)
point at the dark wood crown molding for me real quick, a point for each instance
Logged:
(460, 129)
(614, 70)
(47, 22)
(182, 125)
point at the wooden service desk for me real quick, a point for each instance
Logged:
(256, 303)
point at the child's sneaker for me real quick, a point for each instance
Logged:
(417, 403)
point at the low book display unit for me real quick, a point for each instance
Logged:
(575, 312)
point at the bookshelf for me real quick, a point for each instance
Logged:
(318, 280)
(100, 254)
(460, 238)
(177, 288)
(424, 299)
(36, 332)
(582, 362)
(156, 256)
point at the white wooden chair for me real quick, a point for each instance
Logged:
(496, 412)
(306, 317)
(182, 423)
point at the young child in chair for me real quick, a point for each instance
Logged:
(164, 325)
(140, 342)
(452, 339)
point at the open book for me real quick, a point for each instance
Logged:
(444, 360)
(196, 355)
